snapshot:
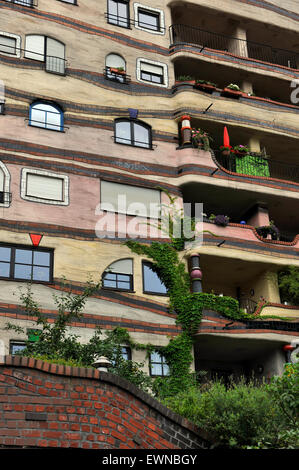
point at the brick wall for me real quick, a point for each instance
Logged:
(46, 405)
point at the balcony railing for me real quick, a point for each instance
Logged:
(183, 34)
(55, 65)
(5, 197)
(116, 76)
(248, 305)
(257, 165)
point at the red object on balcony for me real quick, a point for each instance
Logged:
(225, 137)
(288, 347)
(35, 239)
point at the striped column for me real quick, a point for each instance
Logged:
(195, 274)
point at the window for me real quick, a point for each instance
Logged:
(119, 13)
(42, 186)
(26, 264)
(158, 365)
(10, 44)
(115, 68)
(153, 72)
(131, 200)
(16, 346)
(25, 3)
(47, 116)
(47, 50)
(131, 132)
(149, 19)
(126, 353)
(119, 275)
(152, 284)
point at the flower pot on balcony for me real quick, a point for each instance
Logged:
(118, 71)
(209, 88)
(231, 93)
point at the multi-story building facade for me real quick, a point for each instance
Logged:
(98, 100)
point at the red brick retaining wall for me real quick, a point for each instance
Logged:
(47, 405)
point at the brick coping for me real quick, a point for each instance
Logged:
(112, 379)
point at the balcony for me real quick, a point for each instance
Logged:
(24, 3)
(183, 34)
(258, 165)
(116, 75)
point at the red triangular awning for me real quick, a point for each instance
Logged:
(225, 137)
(35, 239)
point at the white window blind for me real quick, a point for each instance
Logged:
(145, 67)
(44, 187)
(131, 200)
(123, 266)
(35, 47)
(115, 60)
(1, 180)
(7, 45)
(55, 48)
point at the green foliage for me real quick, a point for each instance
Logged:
(57, 345)
(244, 415)
(288, 281)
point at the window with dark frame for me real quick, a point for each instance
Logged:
(149, 19)
(119, 13)
(133, 132)
(126, 353)
(16, 346)
(117, 281)
(26, 264)
(158, 365)
(46, 115)
(151, 73)
(152, 284)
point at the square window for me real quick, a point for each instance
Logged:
(118, 13)
(16, 346)
(8, 45)
(148, 20)
(158, 365)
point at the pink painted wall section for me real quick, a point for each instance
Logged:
(100, 142)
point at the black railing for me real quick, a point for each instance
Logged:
(116, 76)
(183, 34)
(126, 22)
(55, 65)
(24, 3)
(258, 165)
(248, 305)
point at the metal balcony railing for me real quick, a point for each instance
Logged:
(248, 305)
(55, 65)
(183, 34)
(5, 197)
(119, 77)
(258, 165)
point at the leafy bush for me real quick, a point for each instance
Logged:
(243, 415)
(288, 281)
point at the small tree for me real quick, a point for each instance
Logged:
(56, 344)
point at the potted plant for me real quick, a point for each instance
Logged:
(226, 149)
(220, 219)
(186, 78)
(117, 70)
(205, 85)
(241, 150)
(232, 90)
(270, 229)
(201, 139)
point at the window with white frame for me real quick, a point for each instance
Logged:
(47, 50)
(150, 71)
(46, 115)
(45, 187)
(149, 19)
(10, 44)
(131, 200)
